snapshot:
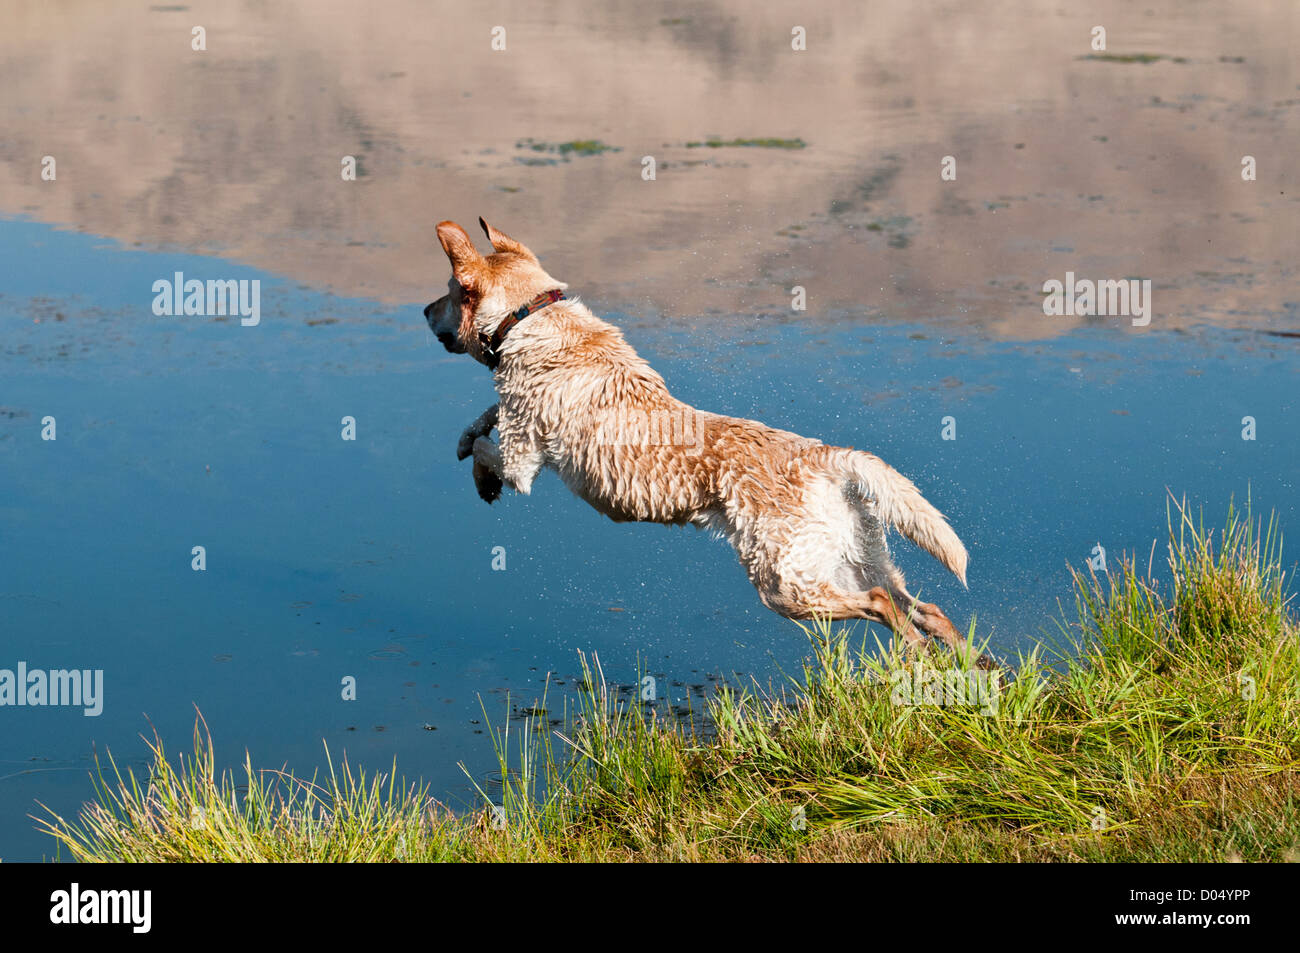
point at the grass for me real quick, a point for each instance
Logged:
(767, 142)
(1146, 59)
(578, 147)
(1164, 726)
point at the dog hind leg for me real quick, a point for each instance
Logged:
(891, 606)
(931, 620)
(874, 605)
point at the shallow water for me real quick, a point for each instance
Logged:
(373, 558)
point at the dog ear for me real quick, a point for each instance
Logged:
(465, 258)
(503, 242)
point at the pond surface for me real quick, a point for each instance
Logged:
(373, 558)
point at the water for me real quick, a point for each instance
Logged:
(1108, 168)
(328, 558)
(373, 558)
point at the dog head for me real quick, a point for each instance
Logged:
(483, 290)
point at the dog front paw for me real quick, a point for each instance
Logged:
(487, 483)
(485, 451)
(465, 446)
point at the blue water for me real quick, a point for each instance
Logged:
(373, 558)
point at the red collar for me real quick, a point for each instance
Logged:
(493, 348)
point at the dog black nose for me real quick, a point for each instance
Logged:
(428, 308)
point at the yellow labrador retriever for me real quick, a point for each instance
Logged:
(807, 520)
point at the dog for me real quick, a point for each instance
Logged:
(807, 520)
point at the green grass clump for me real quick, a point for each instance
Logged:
(762, 143)
(575, 147)
(1144, 58)
(1165, 726)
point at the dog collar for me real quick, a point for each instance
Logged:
(493, 349)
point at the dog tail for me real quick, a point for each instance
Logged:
(898, 503)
